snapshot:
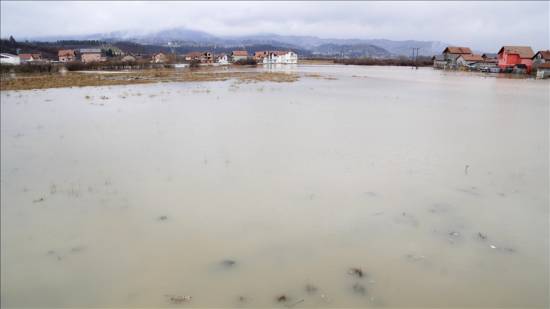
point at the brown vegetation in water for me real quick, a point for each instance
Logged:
(421, 61)
(21, 81)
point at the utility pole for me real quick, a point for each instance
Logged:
(414, 57)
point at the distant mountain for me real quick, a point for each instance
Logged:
(183, 37)
(351, 51)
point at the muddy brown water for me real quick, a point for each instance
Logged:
(434, 184)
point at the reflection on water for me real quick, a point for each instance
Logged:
(381, 187)
(278, 67)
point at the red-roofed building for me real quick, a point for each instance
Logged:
(510, 56)
(30, 57)
(66, 55)
(451, 54)
(237, 55)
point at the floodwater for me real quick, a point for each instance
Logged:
(433, 185)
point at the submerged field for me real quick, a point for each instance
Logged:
(344, 186)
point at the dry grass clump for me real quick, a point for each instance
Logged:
(319, 76)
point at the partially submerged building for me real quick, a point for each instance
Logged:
(451, 53)
(510, 57)
(467, 60)
(439, 62)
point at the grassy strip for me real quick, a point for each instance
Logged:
(77, 79)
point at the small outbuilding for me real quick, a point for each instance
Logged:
(467, 60)
(451, 53)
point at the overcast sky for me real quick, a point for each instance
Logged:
(481, 25)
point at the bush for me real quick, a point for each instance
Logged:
(194, 63)
(247, 61)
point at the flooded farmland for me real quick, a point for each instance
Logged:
(350, 187)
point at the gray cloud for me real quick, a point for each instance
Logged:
(482, 25)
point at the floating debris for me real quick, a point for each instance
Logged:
(294, 303)
(414, 258)
(359, 289)
(228, 263)
(466, 169)
(177, 299)
(454, 234)
(282, 298)
(371, 194)
(77, 249)
(407, 218)
(163, 218)
(470, 191)
(242, 299)
(356, 272)
(492, 246)
(39, 200)
(482, 236)
(311, 289)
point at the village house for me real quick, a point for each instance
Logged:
(238, 55)
(542, 56)
(30, 57)
(222, 59)
(260, 55)
(281, 57)
(451, 53)
(203, 57)
(510, 57)
(88, 55)
(159, 58)
(468, 60)
(66, 55)
(9, 59)
(490, 57)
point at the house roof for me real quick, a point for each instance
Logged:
(240, 53)
(522, 51)
(278, 52)
(544, 65)
(25, 56)
(9, 55)
(90, 50)
(472, 57)
(65, 52)
(457, 50)
(544, 53)
(194, 54)
(489, 55)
